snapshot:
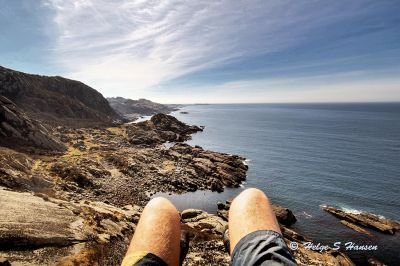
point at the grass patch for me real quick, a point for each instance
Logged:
(115, 130)
(89, 144)
(168, 166)
(36, 164)
(74, 152)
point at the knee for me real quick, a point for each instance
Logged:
(250, 195)
(162, 204)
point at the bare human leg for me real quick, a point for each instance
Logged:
(158, 232)
(250, 211)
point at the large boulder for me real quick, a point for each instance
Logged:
(202, 224)
(189, 214)
(39, 230)
(284, 215)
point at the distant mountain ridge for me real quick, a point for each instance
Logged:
(56, 100)
(132, 109)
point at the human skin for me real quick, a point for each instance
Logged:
(158, 231)
(250, 211)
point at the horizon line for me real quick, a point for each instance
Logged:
(344, 102)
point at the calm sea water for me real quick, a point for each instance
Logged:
(307, 155)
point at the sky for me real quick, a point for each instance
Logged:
(210, 51)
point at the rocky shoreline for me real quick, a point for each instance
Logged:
(364, 219)
(81, 206)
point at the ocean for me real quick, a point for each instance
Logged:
(304, 156)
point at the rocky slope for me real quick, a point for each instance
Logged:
(17, 130)
(56, 100)
(132, 109)
(123, 167)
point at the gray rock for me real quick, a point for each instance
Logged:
(191, 213)
(221, 205)
(284, 215)
(80, 145)
(203, 224)
(45, 231)
(28, 221)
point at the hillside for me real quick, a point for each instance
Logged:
(132, 109)
(56, 100)
(18, 131)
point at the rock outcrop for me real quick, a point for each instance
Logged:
(355, 227)
(132, 109)
(40, 230)
(102, 164)
(16, 172)
(178, 169)
(159, 129)
(206, 232)
(204, 223)
(28, 221)
(17, 130)
(56, 100)
(365, 219)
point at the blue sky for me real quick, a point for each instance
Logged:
(211, 51)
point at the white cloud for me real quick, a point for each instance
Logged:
(126, 46)
(131, 48)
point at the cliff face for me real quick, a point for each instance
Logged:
(131, 109)
(56, 100)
